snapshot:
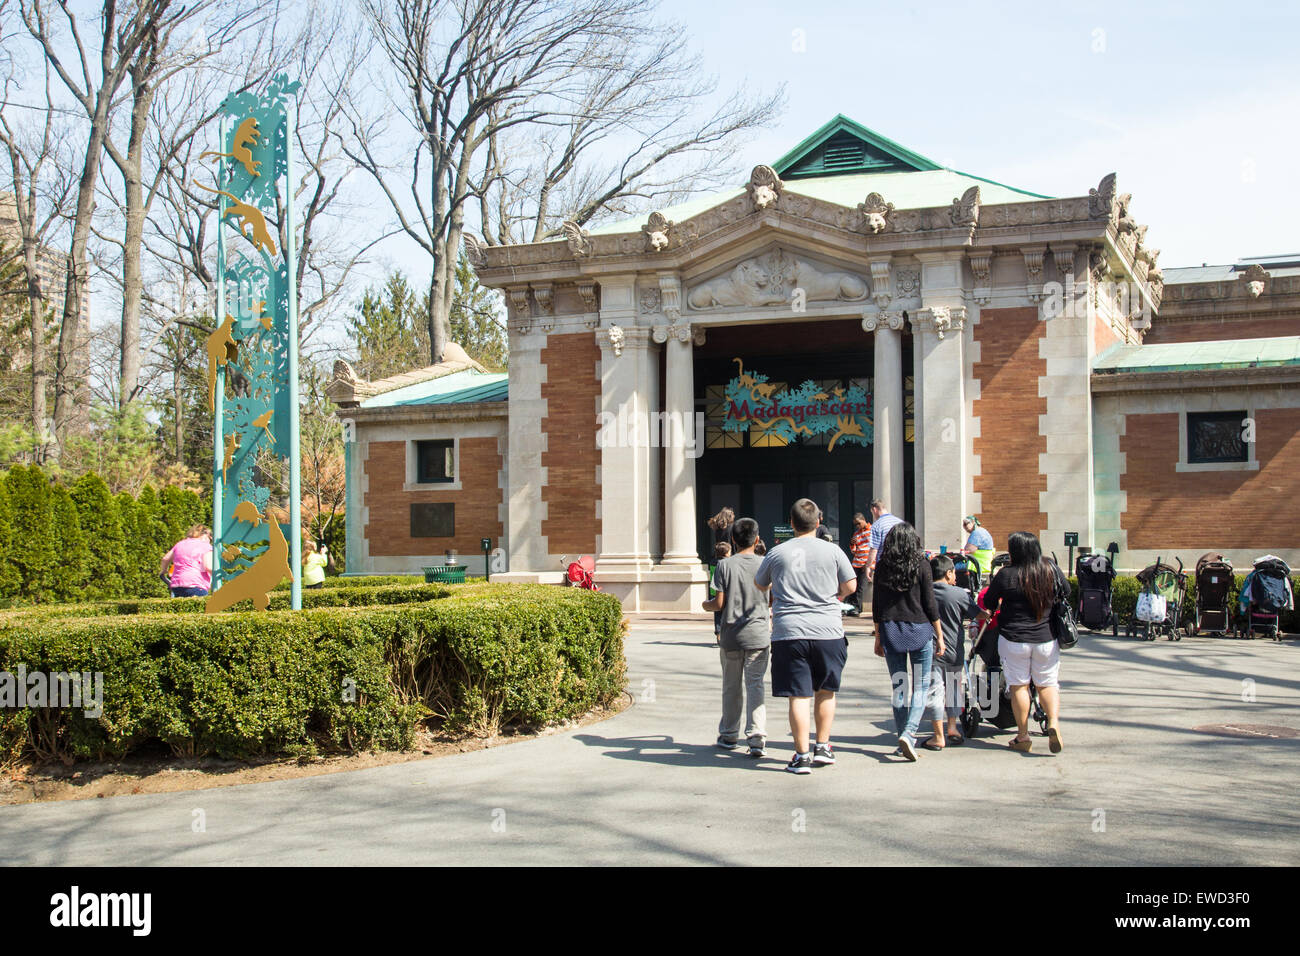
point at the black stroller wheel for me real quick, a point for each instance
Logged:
(970, 722)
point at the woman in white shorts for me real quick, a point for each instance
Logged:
(1023, 594)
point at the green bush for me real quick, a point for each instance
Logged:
(31, 545)
(240, 684)
(101, 522)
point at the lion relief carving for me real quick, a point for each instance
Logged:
(772, 280)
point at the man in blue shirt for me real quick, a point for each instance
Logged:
(881, 523)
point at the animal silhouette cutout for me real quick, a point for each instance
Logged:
(263, 422)
(246, 136)
(252, 224)
(231, 552)
(222, 348)
(232, 446)
(262, 315)
(270, 568)
(247, 511)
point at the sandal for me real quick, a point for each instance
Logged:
(1054, 740)
(930, 745)
(956, 740)
(1020, 746)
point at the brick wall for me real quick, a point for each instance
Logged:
(1257, 510)
(1103, 336)
(1008, 408)
(571, 459)
(389, 530)
(1218, 329)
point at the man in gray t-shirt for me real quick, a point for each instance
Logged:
(808, 578)
(743, 641)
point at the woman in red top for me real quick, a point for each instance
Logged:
(859, 552)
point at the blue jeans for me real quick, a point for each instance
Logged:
(907, 714)
(189, 592)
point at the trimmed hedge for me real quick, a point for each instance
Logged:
(246, 683)
(362, 581)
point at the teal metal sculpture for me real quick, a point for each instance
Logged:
(253, 355)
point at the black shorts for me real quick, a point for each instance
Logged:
(800, 668)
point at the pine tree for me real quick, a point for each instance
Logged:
(31, 545)
(135, 574)
(476, 320)
(101, 523)
(152, 542)
(9, 579)
(68, 577)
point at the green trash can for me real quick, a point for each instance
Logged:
(445, 574)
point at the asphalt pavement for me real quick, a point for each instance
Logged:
(1137, 783)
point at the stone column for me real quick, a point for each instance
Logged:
(680, 448)
(941, 432)
(887, 408)
(628, 464)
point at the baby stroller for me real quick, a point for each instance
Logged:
(968, 573)
(1265, 594)
(1160, 603)
(581, 573)
(1214, 582)
(986, 696)
(1096, 580)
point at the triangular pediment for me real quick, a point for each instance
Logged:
(843, 147)
(773, 275)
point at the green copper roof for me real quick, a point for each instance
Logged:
(1190, 356)
(902, 177)
(456, 388)
(843, 146)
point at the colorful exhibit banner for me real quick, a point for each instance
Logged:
(750, 400)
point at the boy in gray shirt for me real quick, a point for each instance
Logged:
(743, 641)
(808, 579)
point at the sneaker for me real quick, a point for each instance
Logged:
(727, 744)
(757, 750)
(800, 763)
(823, 756)
(906, 749)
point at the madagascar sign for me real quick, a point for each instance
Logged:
(750, 400)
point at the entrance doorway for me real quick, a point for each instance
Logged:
(760, 475)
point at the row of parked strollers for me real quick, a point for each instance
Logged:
(1265, 594)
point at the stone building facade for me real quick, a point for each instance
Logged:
(987, 336)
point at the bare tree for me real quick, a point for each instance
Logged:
(494, 76)
(41, 193)
(166, 52)
(121, 34)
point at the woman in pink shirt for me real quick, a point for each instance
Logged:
(191, 564)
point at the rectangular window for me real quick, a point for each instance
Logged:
(435, 461)
(1214, 437)
(433, 521)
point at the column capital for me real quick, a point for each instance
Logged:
(882, 321)
(681, 331)
(616, 338)
(940, 319)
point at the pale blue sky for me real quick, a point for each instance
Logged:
(1194, 105)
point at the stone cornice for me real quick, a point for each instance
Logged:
(1178, 380)
(410, 414)
(904, 231)
(1235, 288)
